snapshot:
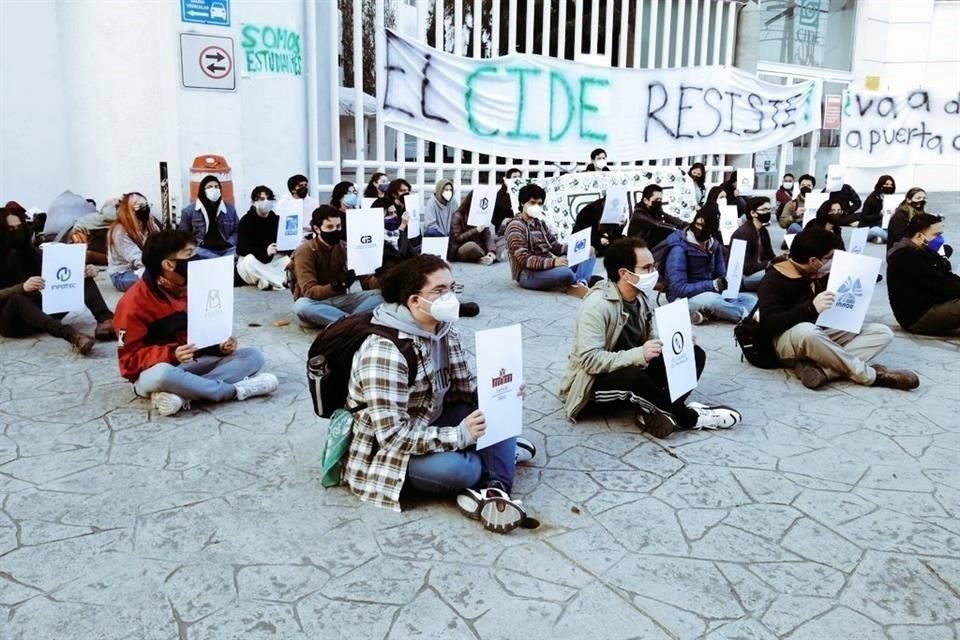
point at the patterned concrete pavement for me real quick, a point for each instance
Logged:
(825, 515)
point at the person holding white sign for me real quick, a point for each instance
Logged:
(913, 204)
(792, 296)
(649, 221)
(871, 216)
(212, 221)
(759, 251)
(601, 233)
(698, 174)
(505, 208)
(469, 243)
(423, 435)
(616, 361)
(537, 260)
(843, 193)
(791, 217)
(438, 210)
(21, 287)
(322, 280)
(261, 262)
(397, 244)
(153, 352)
(696, 269)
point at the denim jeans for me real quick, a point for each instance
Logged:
(320, 313)
(795, 227)
(208, 378)
(124, 280)
(877, 233)
(557, 276)
(752, 281)
(714, 305)
(203, 253)
(453, 471)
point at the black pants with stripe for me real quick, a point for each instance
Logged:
(645, 389)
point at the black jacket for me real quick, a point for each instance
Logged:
(918, 279)
(589, 218)
(872, 213)
(786, 302)
(847, 196)
(502, 209)
(651, 227)
(255, 234)
(759, 248)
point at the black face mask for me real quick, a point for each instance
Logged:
(805, 190)
(301, 192)
(143, 213)
(887, 190)
(656, 207)
(181, 267)
(331, 237)
(919, 204)
(702, 235)
(764, 218)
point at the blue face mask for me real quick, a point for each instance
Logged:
(351, 200)
(935, 244)
(383, 187)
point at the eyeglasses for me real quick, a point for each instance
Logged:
(442, 291)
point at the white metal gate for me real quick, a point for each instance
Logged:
(634, 33)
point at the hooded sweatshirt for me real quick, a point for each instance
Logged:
(918, 279)
(691, 268)
(437, 213)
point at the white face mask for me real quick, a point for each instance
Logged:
(646, 281)
(600, 163)
(264, 206)
(535, 211)
(447, 196)
(788, 185)
(446, 308)
(213, 193)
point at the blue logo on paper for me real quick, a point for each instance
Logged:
(213, 12)
(848, 293)
(581, 245)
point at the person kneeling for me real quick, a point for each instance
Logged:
(422, 436)
(617, 361)
(151, 323)
(792, 296)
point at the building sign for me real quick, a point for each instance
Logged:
(214, 12)
(270, 50)
(206, 62)
(831, 111)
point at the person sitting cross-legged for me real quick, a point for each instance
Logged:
(261, 262)
(792, 296)
(696, 270)
(422, 436)
(616, 360)
(759, 251)
(151, 324)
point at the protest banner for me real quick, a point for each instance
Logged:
(673, 327)
(63, 274)
(209, 301)
(499, 376)
(536, 107)
(852, 278)
(365, 235)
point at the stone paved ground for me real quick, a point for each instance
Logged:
(825, 515)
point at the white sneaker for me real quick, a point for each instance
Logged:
(715, 417)
(166, 404)
(526, 451)
(259, 385)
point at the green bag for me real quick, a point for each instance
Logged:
(339, 434)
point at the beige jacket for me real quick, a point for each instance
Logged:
(599, 323)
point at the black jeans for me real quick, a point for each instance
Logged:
(644, 388)
(22, 314)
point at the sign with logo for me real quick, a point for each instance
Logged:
(481, 206)
(412, 202)
(673, 325)
(831, 111)
(890, 203)
(745, 179)
(212, 12)
(852, 278)
(729, 216)
(578, 247)
(63, 273)
(209, 301)
(365, 235)
(207, 62)
(738, 252)
(291, 214)
(615, 206)
(499, 376)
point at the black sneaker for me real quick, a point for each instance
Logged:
(659, 424)
(469, 309)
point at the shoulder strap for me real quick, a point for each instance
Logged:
(405, 346)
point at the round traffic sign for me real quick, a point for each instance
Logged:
(215, 62)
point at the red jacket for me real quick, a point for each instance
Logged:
(150, 325)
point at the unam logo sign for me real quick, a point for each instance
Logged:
(63, 274)
(502, 379)
(849, 291)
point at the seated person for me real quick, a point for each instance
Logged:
(21, 305)
(212, 222)
(792, 296)
(298, 196)
(616, 360)
(759, 251)
(847, 197)
(421, 437)
(696, 270)
(261, 263)
(598, 161)
(698, 173)
(503, 208)
(152, 328)
(650, 222)
(872, 213)
(537, 260)
(344, 197)
(924, 292)
(398, 246)
(92, 229)
(133, 226)
(829, 217)
(470, 244)
(601, 234)
(785, 192)
(377, 187)
(914, 203)
(438, 210)
(791, 217)
(322, 283)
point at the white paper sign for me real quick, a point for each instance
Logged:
(738, 253)
(745, 179)
(435, 246)
(788, 238)
(63, 274)
(209, 301)
(811, 203)
(367, 203)
(728, 221)
(673, 327)
(578, 247)
(365, 235)
(890, 203)
(291, 214)
(858, 239)
(499, 376)
(615, 207)
(852, 278)
(481, 205)
(835, 178)
(414, 209)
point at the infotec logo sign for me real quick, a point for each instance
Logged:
(63, 277)
(63, 274)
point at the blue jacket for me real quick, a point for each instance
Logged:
(691, 270)
(193, 219)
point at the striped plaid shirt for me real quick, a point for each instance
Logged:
(531, 245)
(391, 419)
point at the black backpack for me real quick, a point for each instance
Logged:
(330, 359)
(755, 345)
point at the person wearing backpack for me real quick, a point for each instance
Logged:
(616, 360)
(420, 436)
(322, 280)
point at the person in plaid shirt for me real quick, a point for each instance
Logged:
(422, 436)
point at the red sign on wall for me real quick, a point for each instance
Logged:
(831, 111)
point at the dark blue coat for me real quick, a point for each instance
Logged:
(690, 269)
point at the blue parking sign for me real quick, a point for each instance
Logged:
(215, 12)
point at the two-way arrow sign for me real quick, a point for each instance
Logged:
(216, 57)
